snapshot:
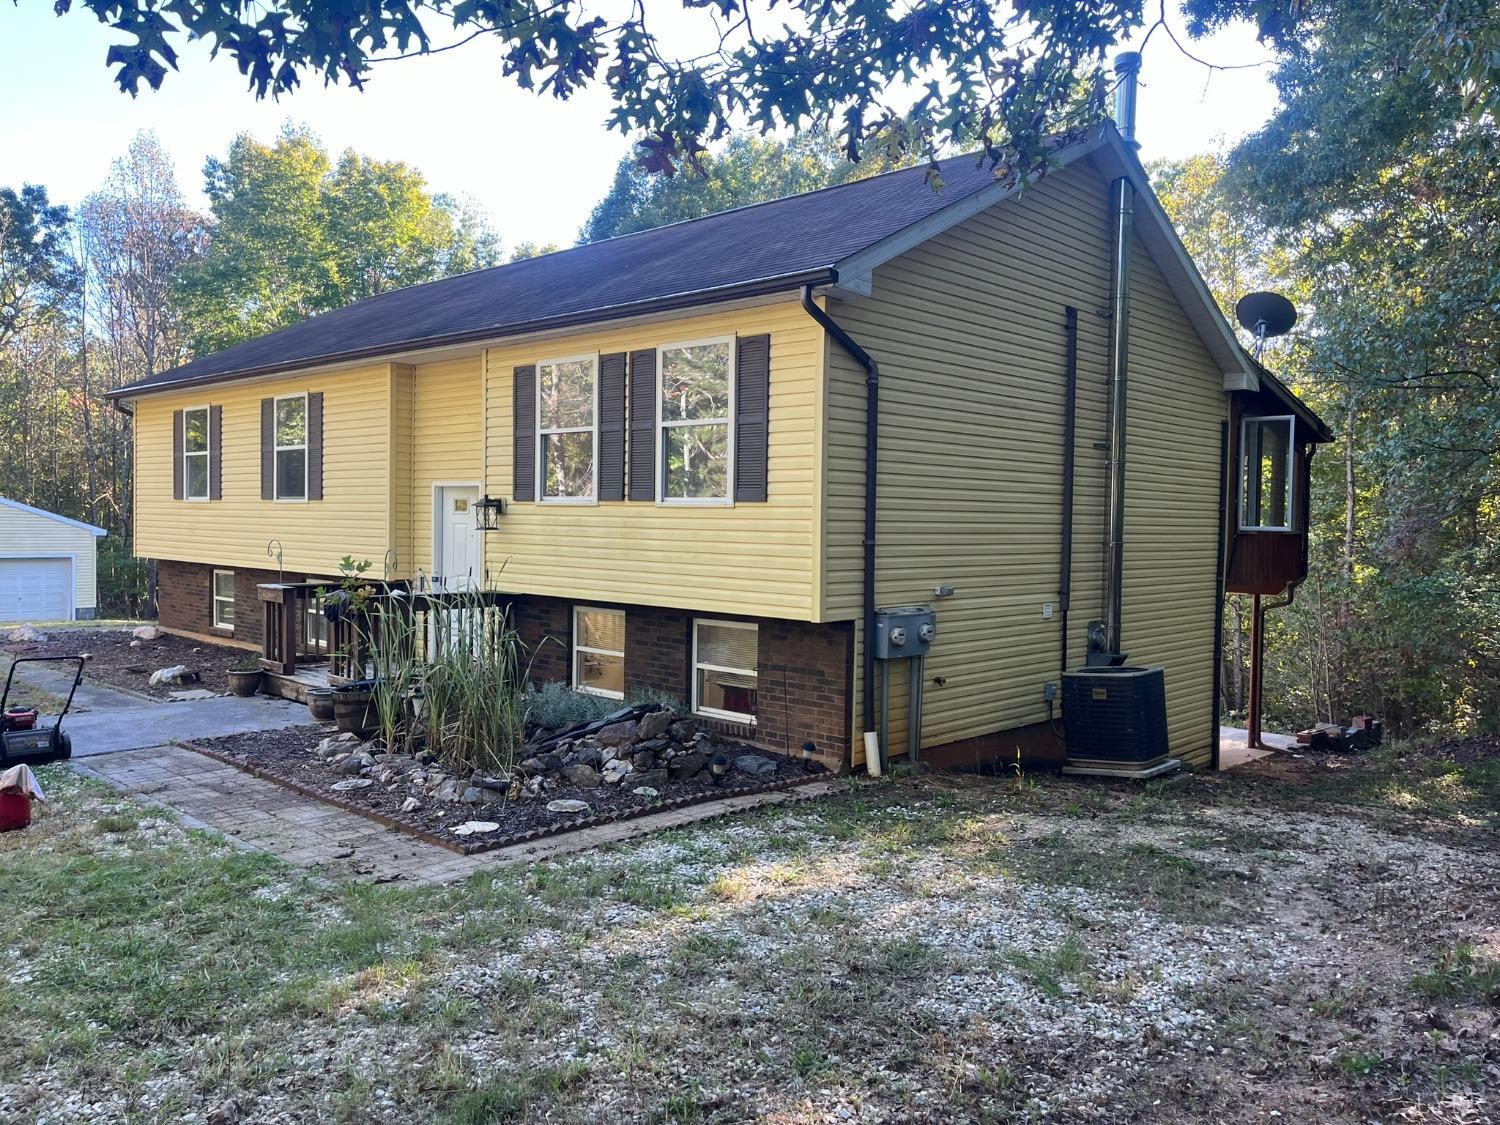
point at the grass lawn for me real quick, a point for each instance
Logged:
(1316, 938)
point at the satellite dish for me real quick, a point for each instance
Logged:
(1265, 315)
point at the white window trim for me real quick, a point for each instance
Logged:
(1291, 475)
(216, 598)
(577, 648)
(206, 454)
(542, 432)
(662, 499)
(715, 712)
(277, 447)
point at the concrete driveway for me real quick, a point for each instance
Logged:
(117, 720)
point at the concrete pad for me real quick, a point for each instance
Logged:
(1235, 749)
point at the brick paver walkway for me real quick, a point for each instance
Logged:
(312, 834)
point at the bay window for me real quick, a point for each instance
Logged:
(1267, 458)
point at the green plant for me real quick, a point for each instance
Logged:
(554, 705)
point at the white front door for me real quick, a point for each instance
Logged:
(458, 561)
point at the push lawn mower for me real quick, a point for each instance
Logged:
(22, 741)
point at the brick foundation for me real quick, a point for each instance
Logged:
(184, 599)
(804, 670)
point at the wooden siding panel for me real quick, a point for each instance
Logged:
(757, 559)
(353, 518)
(969, 331)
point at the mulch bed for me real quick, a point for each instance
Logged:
(115, 664)
(283, 756)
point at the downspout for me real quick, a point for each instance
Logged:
(1070, 432)
(1122, 196)
(1221, 582)
(872, 445)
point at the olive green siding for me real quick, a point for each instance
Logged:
(968, 329)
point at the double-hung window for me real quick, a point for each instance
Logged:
(695, 439)
(1267, 456)
(599, 651)
(223, 600)
(725, 655)
(195, 439)
(291, 447)
(567, 392)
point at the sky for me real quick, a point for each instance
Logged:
(534, 165)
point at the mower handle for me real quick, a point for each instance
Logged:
(82, 658)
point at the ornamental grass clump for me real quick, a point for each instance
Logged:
(450, 674)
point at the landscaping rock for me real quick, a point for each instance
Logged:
(614, 771)
(755, 765)
(449, 790)
(646, 791)
(176, 674)
(470, 827)
(498, 781)
(143, 633)
(568, 806)
(644, 760)
(649, 779)
(351, 783)
(541, 764)
(683, 730)
(617, 734)
(687, 765)
(585, 777)
(346, 736)
(585, 756)
(655, 745)
(354, 763)
(411, 804)
(654, 725)
(476, 796)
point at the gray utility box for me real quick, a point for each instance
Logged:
(904, 631)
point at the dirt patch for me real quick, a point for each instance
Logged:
(115, 663)
(287, 756)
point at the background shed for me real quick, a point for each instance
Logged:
(47, 565)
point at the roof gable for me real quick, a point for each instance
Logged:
(44, 514)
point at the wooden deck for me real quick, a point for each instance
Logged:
(296, 687)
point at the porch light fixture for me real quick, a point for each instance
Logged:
(487, 513)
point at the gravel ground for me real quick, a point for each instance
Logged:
(1302, 940)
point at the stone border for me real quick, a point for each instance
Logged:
(474, 847)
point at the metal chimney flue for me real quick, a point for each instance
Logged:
(1127, 69)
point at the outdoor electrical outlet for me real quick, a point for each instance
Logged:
(1049, 690)
(1046, 611)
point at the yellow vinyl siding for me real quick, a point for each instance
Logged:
(25, 533)
(353, 518)
(968, 330)
(756, 558)
(448, 442)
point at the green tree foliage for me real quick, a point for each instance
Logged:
(1392, 255)
(295, 234)
(36, 270)
(746, 169)
(945, 71)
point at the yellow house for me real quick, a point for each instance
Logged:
(713, 453)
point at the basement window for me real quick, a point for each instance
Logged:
(725, 655)
(697, 402)
(195, 453)
(567, 392)
(223, 600)
(599, 651)
(1267, 456)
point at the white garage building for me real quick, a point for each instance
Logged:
(47, 565)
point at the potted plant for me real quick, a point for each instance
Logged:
(244, 680)
(320, 704)
(355, 708)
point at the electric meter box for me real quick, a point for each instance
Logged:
(904, 631)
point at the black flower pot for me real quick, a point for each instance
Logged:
(355, 711)
(244, 682)
(320, 704)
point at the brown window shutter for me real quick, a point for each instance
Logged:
(315, 446)
(215, 453)
(177, 447)
(643, 424)
(523, 468)
(612, 426)
(268, 449)
(752, 416)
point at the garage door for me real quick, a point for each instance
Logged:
(35, 589)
